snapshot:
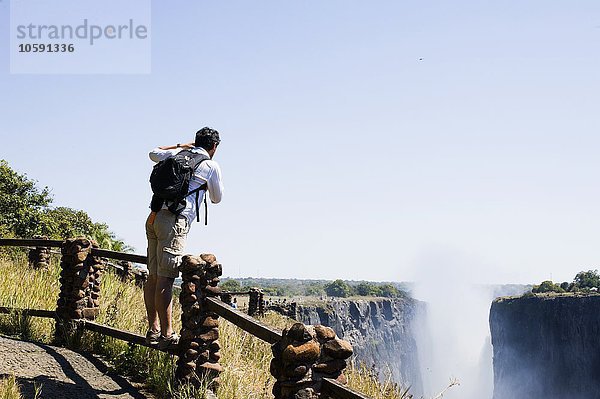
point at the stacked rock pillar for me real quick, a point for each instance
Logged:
(125, 271)
(304, 356)
(39, 257)
(95, 266)
(261, 303)
(199, 349)
(79, 286)
(254, 301)
(140, 278)
(227, 298)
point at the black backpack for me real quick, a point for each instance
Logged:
(170, 181)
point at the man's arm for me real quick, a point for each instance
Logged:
(164, 152)
(215, 184)
(172, 147)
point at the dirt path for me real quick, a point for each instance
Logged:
(61, 373)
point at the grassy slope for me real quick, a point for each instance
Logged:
(245, 358)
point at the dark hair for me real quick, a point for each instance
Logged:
(207, 138)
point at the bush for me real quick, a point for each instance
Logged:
(314, 289)
(546, 286)
(367, 289)
(231, 286)
(21, 202)
(338, 288)
(390, 291)
(587, 280)
(584, 281)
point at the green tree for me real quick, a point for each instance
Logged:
(390, 291)
(338, 288)
(275, 290)
(589, 279)
(314, 289)
(547, 286)
(25, 210)
(107, 239)
(231, 286)
(367, 289)
(21, 203)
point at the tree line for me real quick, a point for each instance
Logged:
(26, 210)
(584, 281)
(337, 288)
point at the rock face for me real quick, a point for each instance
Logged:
(546, 346)
(380, 331)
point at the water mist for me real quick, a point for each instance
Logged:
(453, 335)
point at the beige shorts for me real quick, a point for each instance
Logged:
(166, 239)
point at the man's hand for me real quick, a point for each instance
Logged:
(172, 147)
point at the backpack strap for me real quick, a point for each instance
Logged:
(197, 192)
(205, 211)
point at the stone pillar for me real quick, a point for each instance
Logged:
(95, 266)
(79, 286)
(126, 271)
(304, 356)
(261, 303)
(140, 278)
(199, 349)
(254, 301)
(39, 257)
(226, 298)
(293, 310)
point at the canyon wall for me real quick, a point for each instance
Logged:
(546, 346)
(380, 330)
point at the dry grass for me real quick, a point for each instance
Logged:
(246, 358)
(9, 389)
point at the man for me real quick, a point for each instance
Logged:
(166, 233)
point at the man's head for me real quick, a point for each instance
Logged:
(208, 139)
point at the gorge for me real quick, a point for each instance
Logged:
(543, 345)
(381, 331)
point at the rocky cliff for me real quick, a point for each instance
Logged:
(546, 346)
(380, 330)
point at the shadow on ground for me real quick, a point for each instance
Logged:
(44, 387)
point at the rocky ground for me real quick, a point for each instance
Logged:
(61, 373)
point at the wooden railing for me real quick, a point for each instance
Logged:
(208, 303)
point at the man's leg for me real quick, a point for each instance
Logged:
(163, 300)
(149, 299)
(150, 285)
(171, 232)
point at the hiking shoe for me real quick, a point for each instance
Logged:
(165, 343)
(152, 337)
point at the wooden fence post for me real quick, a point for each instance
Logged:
(304, 356)
(79, 286)
(39, 257)
(199, 349)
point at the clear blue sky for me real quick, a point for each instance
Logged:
(343, 154)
